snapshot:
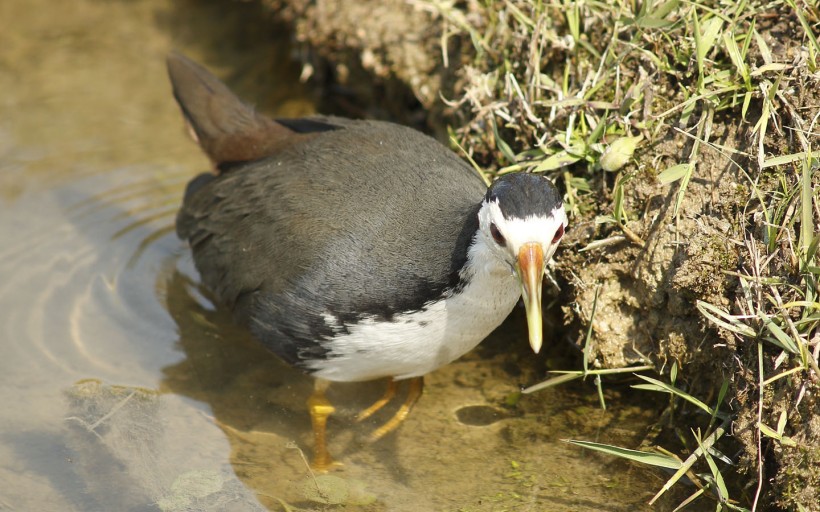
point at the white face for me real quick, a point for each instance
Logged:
(504, 237)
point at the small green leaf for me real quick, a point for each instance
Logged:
(618, 201)
(682, 189)
(768, 432)
(781, 423)
(674, 173)
(619, 153)
(665, 8)
(747, 99)
(765, 52)
(767, 68)
(652, 22)
(556, 161)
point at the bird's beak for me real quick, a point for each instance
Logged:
(531, 273)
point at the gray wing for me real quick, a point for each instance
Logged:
(366, 220)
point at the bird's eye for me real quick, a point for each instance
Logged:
(558, 234)
(497, 236)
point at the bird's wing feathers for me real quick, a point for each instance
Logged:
(370, 219)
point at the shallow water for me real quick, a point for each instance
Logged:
(125, 389)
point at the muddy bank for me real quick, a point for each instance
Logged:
(714, 207)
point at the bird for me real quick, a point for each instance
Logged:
(357, 250)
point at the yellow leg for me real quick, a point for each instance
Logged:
(413, 394)
(320, 408)
(389, 393)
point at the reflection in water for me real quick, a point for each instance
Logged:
(123, 388)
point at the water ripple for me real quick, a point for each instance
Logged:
(82, 269)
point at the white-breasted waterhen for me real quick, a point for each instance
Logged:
(357, 250)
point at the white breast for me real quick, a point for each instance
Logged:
(417, 343)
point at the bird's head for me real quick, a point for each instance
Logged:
(522, 220)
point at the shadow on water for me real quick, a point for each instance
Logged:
(125, 389)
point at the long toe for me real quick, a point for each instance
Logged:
(389, 393)
(413, 394)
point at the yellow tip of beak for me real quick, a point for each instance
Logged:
(531, 273)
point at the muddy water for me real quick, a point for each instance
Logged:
(124, 388)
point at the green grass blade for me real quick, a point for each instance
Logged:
(566, 376)
(781, 339)
(683, 185)
(725, 320)
(588, 337)
(473, 163)
(554, 381)
(736, 57)
(723, 492)
(705, 39)
(814, 47)
(656, 385)
(724, 388)
(787, 159)
(683, 504)
(501, 144)
(650, 458)
(618, 201)
(807, 227)
(690, 461)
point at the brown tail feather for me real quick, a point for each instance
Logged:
(227, 130)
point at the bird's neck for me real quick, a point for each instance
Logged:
(485, 277)
(487, 292)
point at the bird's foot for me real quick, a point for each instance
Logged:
(413, 394)
(389, 393)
